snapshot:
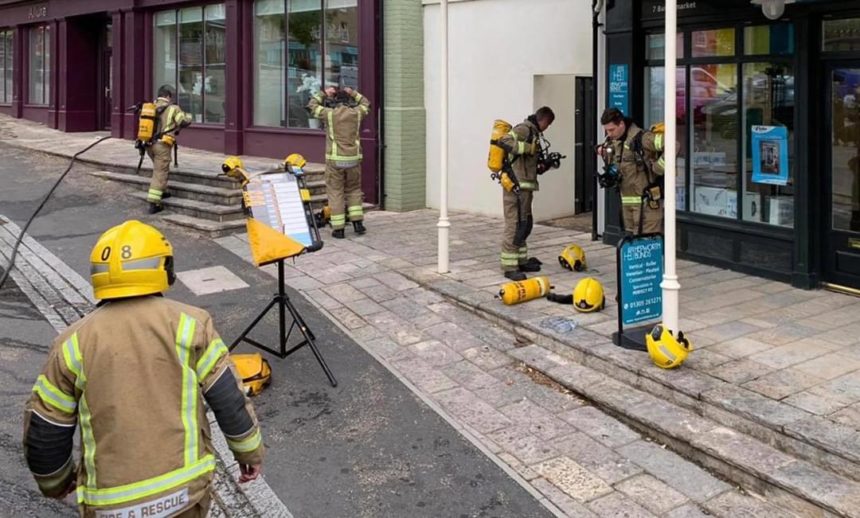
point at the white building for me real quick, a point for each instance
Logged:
(506, 59)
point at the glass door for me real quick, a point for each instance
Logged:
(842, 182)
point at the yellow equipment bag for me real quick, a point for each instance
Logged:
(496, 158)
(146, 122)
(254, 370)
(523, 291)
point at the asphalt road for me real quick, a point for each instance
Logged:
(367, 448)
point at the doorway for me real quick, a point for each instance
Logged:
(841, 261)
(584, 141)
(105, 77)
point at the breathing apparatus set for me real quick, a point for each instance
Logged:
(500, 164)
(149, 132)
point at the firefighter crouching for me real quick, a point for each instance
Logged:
(638, 157)
(133, 375)
(341, 112)
(522, 147)
(170, 119)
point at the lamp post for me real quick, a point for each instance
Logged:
(443, 225)
(670, 283)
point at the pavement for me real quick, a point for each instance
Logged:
(768, 401)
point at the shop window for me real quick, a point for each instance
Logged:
(655, 45)
(300, 47)
(655, 82)
(39, 80)
(6, 62)
(841, 35)
(713, 43)
(768, 109)
(776, 39)
(713, 117)
(189, 47)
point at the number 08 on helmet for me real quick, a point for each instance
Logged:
(131, 260)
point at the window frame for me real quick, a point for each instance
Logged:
(739, 59)
(46, 65)
(176, 41)
(7, 35)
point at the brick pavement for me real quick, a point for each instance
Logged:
(576, 458)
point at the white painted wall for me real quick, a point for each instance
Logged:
(497, 49)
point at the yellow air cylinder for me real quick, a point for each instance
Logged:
(146, 122)
(524, 291)
(496, 158)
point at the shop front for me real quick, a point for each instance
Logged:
(768, 118)
(243, 69)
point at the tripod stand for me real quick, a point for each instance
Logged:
(284, 305)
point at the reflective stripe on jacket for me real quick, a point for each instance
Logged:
(133, 374)
(635, 176)
(522, 144)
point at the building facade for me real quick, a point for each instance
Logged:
(243, 69)
(506, 58)
(768, 118)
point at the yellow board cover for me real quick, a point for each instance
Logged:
(268, 245)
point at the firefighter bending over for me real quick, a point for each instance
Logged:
(134, 375)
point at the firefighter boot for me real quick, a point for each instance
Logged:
(359, 227)
(532, 265)
(155, 208)
(337, 234)
(515, 275)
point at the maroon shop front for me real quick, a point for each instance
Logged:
(243, 69)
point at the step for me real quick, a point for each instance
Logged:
(206, 193)
(198, 209)
(829, 445)
(793, 484)
(209, 227)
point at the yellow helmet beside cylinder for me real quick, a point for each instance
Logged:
(232, 163)
(130, 260)
(666, 351)
(294, 161)
(588, 295)
(573, 258)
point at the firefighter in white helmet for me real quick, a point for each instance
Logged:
(134, 375)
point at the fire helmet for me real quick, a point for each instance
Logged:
(295, 163)
(572, 258)
(130, 260)
(231, 163)
(588, 295)
(666, 351)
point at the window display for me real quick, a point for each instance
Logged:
(6, 69)
(39, 92)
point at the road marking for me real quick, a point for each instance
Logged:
(62, 296)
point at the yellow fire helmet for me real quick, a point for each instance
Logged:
(659, 127)
(254, 370)
(294, 161)
(588, 295)
(573, 258)
(232, 163)
(666, 351)
(130, 260)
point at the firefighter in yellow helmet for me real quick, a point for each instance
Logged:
(171, 119)
(638, 156)
(134, 375)
(341, 111)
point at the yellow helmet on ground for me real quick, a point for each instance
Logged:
(588, 295)
(294, 161)
(572, 258)
(231, 163)
(253, 370)
(130, 260)
(666, 351)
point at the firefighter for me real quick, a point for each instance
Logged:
(341, 112)
(134, 375)
(638, 155)
(171, 119)
(522, 147)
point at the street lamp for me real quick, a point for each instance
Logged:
(772, 9)
(671, 286)
(443, 225)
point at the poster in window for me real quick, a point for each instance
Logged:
(770, 155)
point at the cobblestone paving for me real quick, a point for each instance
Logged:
(576, 459)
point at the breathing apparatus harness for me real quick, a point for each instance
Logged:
(612, 176)
(148, 132)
